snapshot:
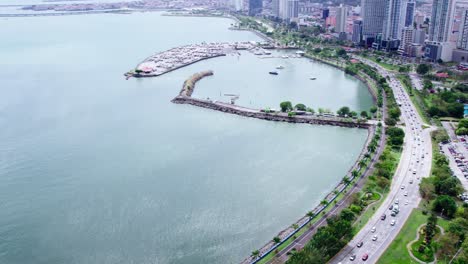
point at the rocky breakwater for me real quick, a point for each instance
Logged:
(189, 84)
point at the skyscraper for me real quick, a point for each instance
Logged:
(357, 31)
(293, 9)
(441, 20)
(407, 13)
(255, 7)
(463, 32)
(275, 6)
(391, 25)
(373, 14)
(288, 9)
(341, 17)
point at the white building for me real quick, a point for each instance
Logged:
(407, 34)
(391, 25)
(288, 9)
(341, 17)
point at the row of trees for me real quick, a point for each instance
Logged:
(440, 192)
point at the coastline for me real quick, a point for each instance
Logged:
(184, 97)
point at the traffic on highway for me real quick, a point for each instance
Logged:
(370, 243)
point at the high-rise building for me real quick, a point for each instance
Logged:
(325, 13)
(407, 13)
(391, 25)
(275, 6)
(373, 14)
(288, 9)
(441, 20)
(357, 31)
(419, 36)
(462, 42)
(293, 9)
(255, 7)
(341, 17)
(407, 34)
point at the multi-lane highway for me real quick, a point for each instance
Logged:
(415, 163)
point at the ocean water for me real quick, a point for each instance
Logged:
(98, 169)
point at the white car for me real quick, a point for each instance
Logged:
(406, 194)
(374, 238)
(373, 229)
(393, 223)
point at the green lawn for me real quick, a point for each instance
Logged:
(387, 66)
(397, 252)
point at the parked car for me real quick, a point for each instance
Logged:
(383, 217)
(360, 244)
(353, 257)
(365, 257)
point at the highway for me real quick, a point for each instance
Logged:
(414, 164)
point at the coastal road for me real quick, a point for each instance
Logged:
(415, 163)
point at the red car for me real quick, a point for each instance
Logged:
(365, 257)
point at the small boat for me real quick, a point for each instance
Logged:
(267, 52)
(273, 73)
(285, 56)
(313, 78)
(279, 67)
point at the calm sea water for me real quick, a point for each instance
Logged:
(97, 169)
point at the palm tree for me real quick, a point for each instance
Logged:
(255, 254)
(346, 180)
(276, 240)
(295, 226)
(355, 173)
(324, 202)
(310, 214)
(362, 163)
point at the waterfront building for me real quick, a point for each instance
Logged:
(373, 14)
(462, 42)
(441, 20)
(255, 7)
(341, 15)
(357, 32)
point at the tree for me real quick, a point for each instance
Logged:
(353, 114)
(430, 228)
(455, 110)
(445, 205)
(422, 69)
(286, 106)
(364, 114)
(394, 113)
(255, 254)
(373, 110)
(310, 110)
(276, 240)
(347, 215)
(346, 180)
(433, 111)
(310, 214)
(355, 173)
(301, 107)
(428, 85)
(343, 111)
(390, 121)
(341, 53)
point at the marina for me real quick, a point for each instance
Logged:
(178, 57)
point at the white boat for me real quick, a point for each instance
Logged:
(279, 67)
(285, 56)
